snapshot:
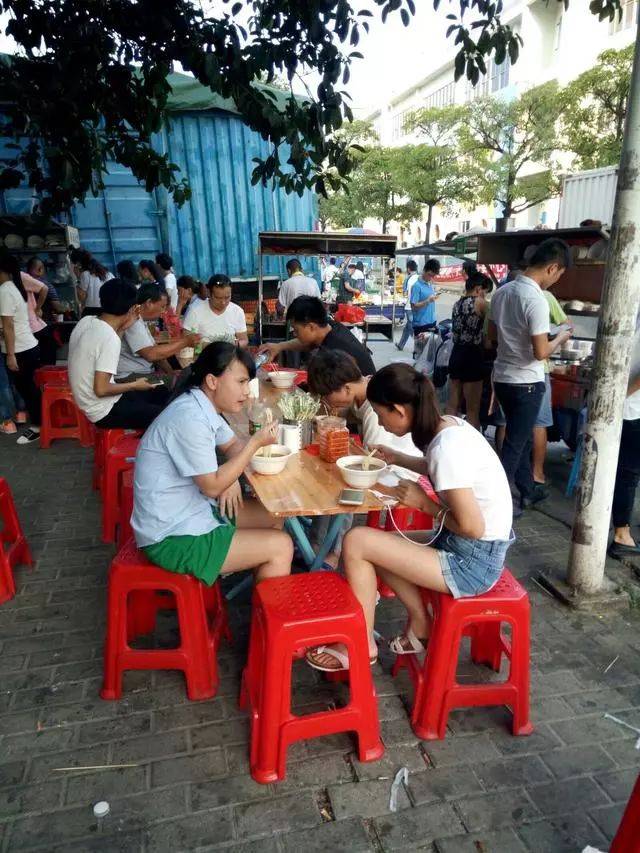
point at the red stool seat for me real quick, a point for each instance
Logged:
(290, 614)
(406, 519)
(117, 460)
(14, 549)
(436, 690)
(134, 598)
(51, 374)
(627, 838)
(58, 408)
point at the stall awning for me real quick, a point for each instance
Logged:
(325, 243)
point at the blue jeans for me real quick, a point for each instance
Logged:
(7, 406)
(520, 404)
(407, 331)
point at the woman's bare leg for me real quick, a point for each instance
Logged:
(472, 392)
(259, 543)
(409, 594)
(454, 400)
(252, 514)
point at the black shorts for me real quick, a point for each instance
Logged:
(466, 363)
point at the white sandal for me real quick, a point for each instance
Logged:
(417, 645)
(340, 657)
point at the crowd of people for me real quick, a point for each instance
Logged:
(190, 514)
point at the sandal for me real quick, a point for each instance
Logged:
(408, 644)
(341, 659)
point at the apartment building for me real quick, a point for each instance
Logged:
(559, 44)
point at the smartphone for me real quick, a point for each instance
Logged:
(155, 381)
(351, 497)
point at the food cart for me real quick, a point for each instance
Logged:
(579, 292)
(315, 243)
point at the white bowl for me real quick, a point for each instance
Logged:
(273, 464)
(360, 479)
(282, 378)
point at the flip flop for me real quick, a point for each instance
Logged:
(340, 657)
(417, 644)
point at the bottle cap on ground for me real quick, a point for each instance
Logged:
(101, 809)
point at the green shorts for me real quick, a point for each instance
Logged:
(201, 556)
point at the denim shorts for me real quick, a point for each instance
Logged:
(545, 415)
(470, 566)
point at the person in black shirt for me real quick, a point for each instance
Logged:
(347, 289)
(315, 330)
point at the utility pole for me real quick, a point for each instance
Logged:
(620, 299)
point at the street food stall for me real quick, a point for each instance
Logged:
(578, 292)
(315, 243)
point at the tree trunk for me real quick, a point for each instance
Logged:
(620, 297)
(427, 235)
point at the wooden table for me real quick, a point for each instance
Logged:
(378, 323)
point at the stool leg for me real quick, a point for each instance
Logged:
(7, 583)
(275, 680)
(363, 696)
(429, 717)
(45, 428)
(200, 666)
(519, 675)
(627, 838)
(115, 642)
(486, 645)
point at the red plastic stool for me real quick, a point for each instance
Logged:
(126, 508)
(290, 614)
(53, 374)
(117, 460)
(105, 440)
(14, 548)
(56, 396)
(133, 597)
(436, 690)
(627, 838)
(406, 519)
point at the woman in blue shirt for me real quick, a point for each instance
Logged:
(188, 513)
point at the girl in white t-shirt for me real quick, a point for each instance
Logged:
(92, 276)
(20, 348)
(474, 512)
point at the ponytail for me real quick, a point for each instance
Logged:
(10, 265)
(402, 385)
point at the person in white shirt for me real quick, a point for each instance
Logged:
(298, 284)
(165, 262)
(218, 319)
(520, 324)
(473, 515)
(92, 276)
(628, 471)
(19, 346)
(329, 273)
(140, 353)
(94, 353)
(410, 280)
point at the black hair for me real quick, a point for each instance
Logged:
(10, 265)
(154, 269)
(91, 265)
(352, 264)
(127, 271)
(401, 385)
(330, 370)
(432, 266)
(215, 358)
(469, 268)
(412, 266)
(219, 279)
(293, 266)
(552, 251)
(188, 282)
(307, 309)
(478, 279)
(117, 297)
(360, 266)
(75, 254)
(164, 260)
(332, 261)
(33, 261)
(149, 291)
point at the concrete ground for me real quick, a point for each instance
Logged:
(185, 783)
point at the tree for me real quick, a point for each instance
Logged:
(434, 173)
(89, 82)
(594, 108)
(512, 144)
(375, 191)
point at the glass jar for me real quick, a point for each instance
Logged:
(333, 439)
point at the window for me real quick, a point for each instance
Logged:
(398, 127)
(464, 225)
(442, 97)
(628, 19)
(496, 78)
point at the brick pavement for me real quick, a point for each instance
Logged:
(189, 788)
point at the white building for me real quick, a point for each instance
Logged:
(558, 45)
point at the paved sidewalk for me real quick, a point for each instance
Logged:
(188, 787)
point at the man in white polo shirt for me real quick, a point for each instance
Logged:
(298, 284)
(520, 324)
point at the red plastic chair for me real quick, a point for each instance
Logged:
(58, 408)
(118, 460)
(406, 519)
(125, 532)
(134, 597)
(14, 548)
(290, 614)
(627, 838)
(52, 374)
(105, 440)
(436, 690)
